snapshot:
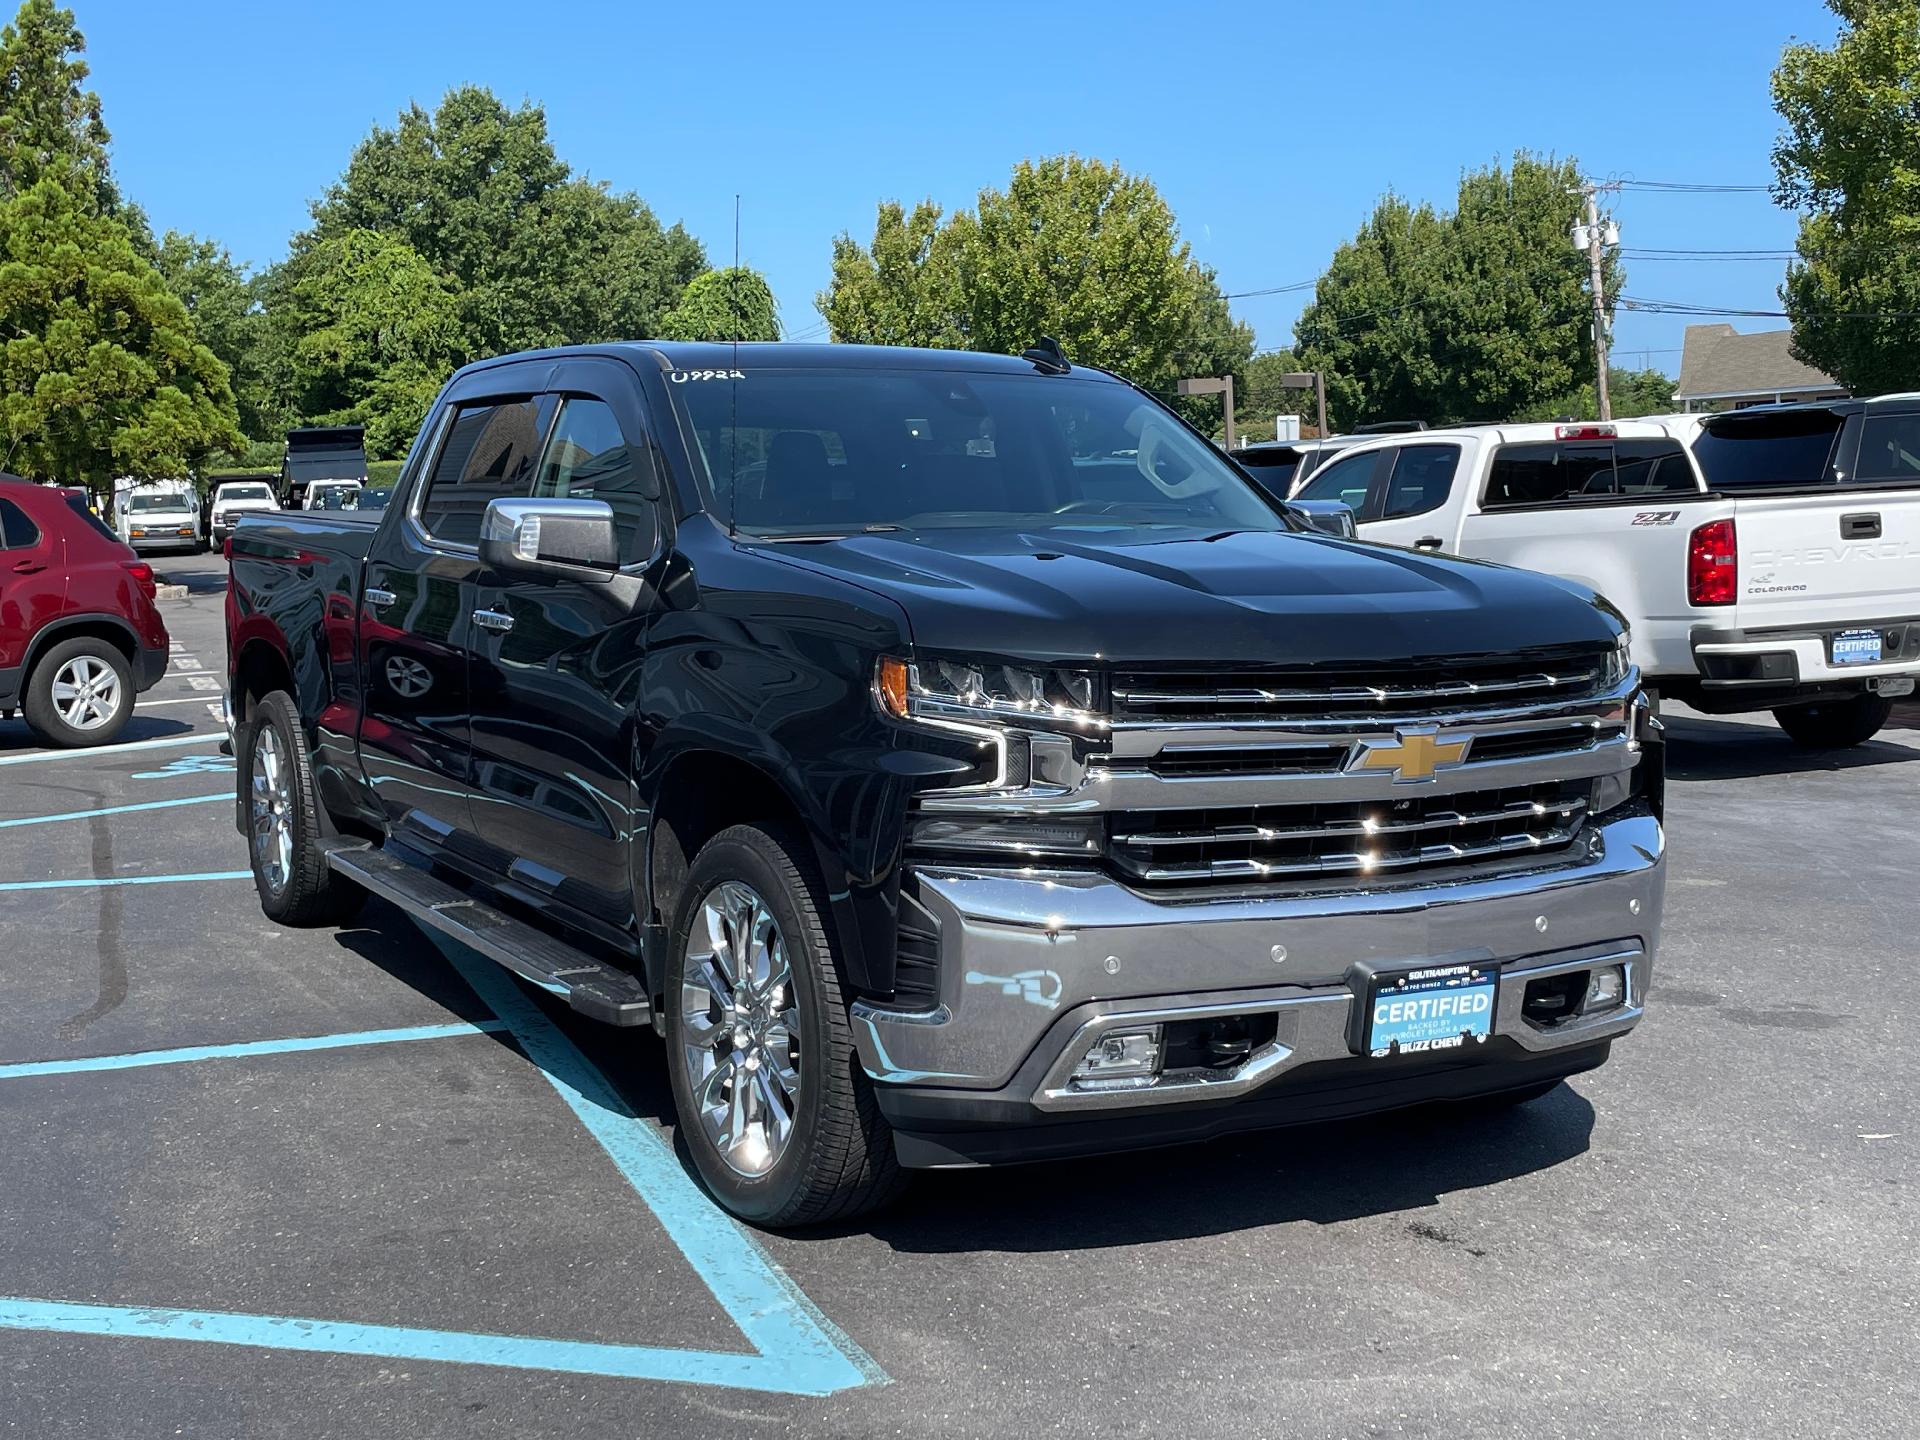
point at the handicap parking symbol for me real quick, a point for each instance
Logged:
(190, 765)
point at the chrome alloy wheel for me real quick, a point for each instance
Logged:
(271, 809)
(739, 1030)
(86, 692)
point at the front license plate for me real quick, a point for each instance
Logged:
(1444, 1007)
(1856, 647)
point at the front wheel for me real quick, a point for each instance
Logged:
(1835, 724)
(779, 1118)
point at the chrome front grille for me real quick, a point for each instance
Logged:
(1147, 697)
(1325, 840)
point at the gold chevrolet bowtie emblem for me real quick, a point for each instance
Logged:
(1411, 754)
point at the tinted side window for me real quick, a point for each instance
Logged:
(1543, 474)
(1421, 478)
(17, 532)
(1652, 467)
(1789, 448)
(1345, 480)
(588, 458)
(488, 455)
(1890, 448)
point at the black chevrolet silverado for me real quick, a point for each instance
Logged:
(953, 757)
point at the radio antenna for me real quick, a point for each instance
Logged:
(733, 383)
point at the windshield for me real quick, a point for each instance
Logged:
(245, 492)
(1787, 448)
(149, 504)
(333, 497)
(816, 451)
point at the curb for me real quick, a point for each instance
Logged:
(165, 589)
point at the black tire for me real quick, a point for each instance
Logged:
(1835, 724)
(43, 709)
(308, 893)
(839, 1162)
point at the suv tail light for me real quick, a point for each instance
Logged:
(142, 576)
(1602, 431)
(1713, 566)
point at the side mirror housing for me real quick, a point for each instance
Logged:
(1332, 517)
(563, 538)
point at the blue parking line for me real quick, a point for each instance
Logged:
(94, 754)
(333, 1337)
(116, 810)
(809, 1353)
(94, 882)
(25, 1068)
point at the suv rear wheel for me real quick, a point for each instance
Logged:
(778, 1116)
(80, 693)
(1835, 724)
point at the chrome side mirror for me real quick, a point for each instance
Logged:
(550, 537)
(1331, 517)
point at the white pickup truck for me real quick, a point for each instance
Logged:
(1766, 559)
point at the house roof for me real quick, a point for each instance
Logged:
(1719, 361)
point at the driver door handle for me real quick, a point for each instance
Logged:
(379, 598)
(493, 620)
(29, 567)
(1428, 542)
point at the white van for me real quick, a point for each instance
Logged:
(158, 517)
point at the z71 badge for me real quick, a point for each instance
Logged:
(1656, 517)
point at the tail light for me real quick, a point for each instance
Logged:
(1713, 567)
(142, 576)
(1601, 431)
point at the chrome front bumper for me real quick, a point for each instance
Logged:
(1034, 966)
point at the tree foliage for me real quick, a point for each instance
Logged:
(1850, 159)
(731, 304)
(376, 333)
(230, 321)
(1478, 313)
(101, 374)
(1072, 248)
(1630, 393)
(532, 254)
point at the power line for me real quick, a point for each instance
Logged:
(1681, 187)
(1271, 290)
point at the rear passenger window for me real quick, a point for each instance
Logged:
(488, 455)
(1421, 478)
(588, 458)
(1890, 448)
(1554, 474)
(78, 505)
(17, 532)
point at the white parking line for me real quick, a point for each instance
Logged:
(176, 700)
(203, 739)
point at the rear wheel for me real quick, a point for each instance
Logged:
(81, 693)
(779, 1118)
(1835, 724)
(290, 870)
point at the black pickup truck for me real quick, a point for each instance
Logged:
(953, 757)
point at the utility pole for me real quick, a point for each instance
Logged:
(1596, 237)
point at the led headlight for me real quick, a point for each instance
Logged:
(1020, 696)
(1619, 661)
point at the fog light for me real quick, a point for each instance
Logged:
(1121, 1055)
(1606, 989)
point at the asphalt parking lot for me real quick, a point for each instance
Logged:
(260, 1182)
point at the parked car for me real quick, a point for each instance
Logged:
(234, 498)
(1785, 579)
(321, 452)
(1279, 466)
(80, 634)
(332, 495)
(159, 517)
(952, 755)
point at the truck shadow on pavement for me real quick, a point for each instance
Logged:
(1396, 1164)
(15, 736)
(1713, 749)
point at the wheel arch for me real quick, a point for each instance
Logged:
(111, 628)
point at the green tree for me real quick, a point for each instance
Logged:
(101, 374)
(50, 124)
(1264, 397)
(532, 254)
(1474, 314)
(1631, 392)
(375, 333)
(731, 304)
(1849, 159)
(229, 320)
(1072, 248)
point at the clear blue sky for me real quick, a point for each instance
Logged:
(1271, 129)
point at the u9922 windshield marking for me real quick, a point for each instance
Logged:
(681, 377)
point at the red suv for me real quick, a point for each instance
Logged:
(80, 634)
